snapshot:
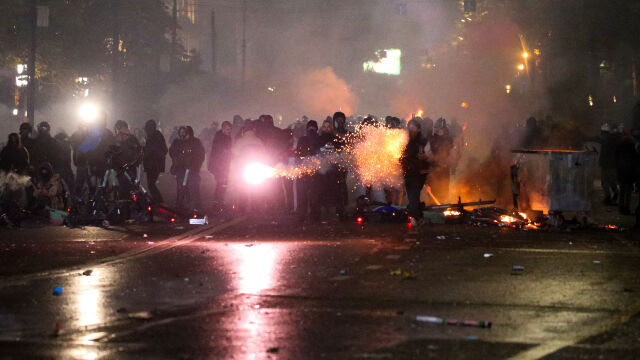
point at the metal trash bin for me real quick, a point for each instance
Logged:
(555, 180)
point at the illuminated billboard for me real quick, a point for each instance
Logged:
(388, 62)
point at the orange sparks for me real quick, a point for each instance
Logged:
(508, 219)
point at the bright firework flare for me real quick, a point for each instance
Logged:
(376, 158)
(257, 173)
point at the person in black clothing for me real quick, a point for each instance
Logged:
(25, 136)
(307, 204)
(220, 161)
(45, 149)
(441, 145)
(608, 174)
(188, 155)
(329, 181)
(532, 138)
(126, 151)
(627, 165)
(414, 169)
(80, 161)
(64, 167)
(339, 123)
(14, 157)
(153, 160)
(95, 145)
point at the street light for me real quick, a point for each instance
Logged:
(15, 112)
(525, 55)
(521, 67)
(508, 88)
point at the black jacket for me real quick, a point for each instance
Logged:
(14, 159)
(46, 150)
(411, 165)
(308, 145)
(187, 154)
(155, 152)
(220, 157)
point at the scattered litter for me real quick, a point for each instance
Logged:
(273, 350)
(373, 267)
(150, 242)
(393, 257)
(596, 261)
(471, 337)
(180, 228)
(343, 272)
(57, 291)
(87, 272)
(441, 237)
(145, 235)
(470, 323)
(410, 240)
(208, 236)
(340, 278)
(186, 279)
(517, 268)
(488, 255)
(140, 315)
(407, 275)
(83, 228)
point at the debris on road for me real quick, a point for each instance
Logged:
(469, 323)
(596, 261)
(373, 267)
(393, 257)
(87, 272)
(343, 272)
(407, 275)
(140, 315)
(145, 235)
(441, 237)
(273, 350)
(517, 270)
(57, 291)
(488, 255)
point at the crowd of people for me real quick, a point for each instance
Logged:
(429, 159)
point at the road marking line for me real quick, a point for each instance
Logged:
(550, 347)
(568, 251)
(158, 247)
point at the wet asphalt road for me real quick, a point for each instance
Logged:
(276, 289)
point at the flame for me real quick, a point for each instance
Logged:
(420, 113)
(523, 215)
(531, 226)
(376, 158)
(414, 115)
(508, 219)
(610, 226)
(450, 212)
(433, 197)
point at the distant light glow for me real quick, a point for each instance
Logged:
(591, 103)
(508, 88)
(521, 67)
(389, 62)
(15, 112)
(525, 55)
(464, 105)
(21, 68)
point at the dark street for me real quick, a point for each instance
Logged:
(278, 289)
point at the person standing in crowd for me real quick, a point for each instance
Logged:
(414, 169)
(95, 145)
(220, 161)
(175, 133)
(441, 145)
(125, 152)
(532, 138)
(328, 182)
(154, 156)
(307, 194)
(238, 124)
(627, 161)
(26, 138)
(45, 148)
(80, 161)
(608, 176)
(188, 155)
(339, 123)
(207, 134)
(65, 170)
(248, 148)
(14, 157)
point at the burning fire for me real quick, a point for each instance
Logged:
(450, 212)
(418, 113)
(376, 158)
(508, 219)
(611, 227)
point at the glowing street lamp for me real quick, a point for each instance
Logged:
(525, 55)
(521, 67)
(508, 88)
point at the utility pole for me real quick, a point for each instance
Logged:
(115, 66)
(214, 63)
(174, 34)
(244, 42)
(31, 64)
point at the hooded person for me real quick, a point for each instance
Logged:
(45, 148)
(247, 149)
(14, 157)
(80, 160)
(308, 197)
(414, 169)
(220, 161)
(50, 190)
(95, 145)
(153, 158)
(188, 155)
(26, 136)
(64, 166)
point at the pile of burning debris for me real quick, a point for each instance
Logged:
(484, 215)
